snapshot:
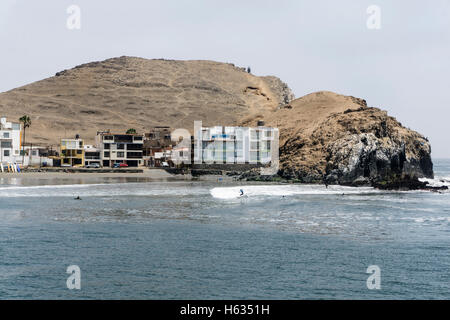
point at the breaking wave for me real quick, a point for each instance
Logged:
(287, 190)
(97, 190)
(437, 181)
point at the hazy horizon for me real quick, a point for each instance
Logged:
(401, 68)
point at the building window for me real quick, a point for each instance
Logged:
(135, 146)
(79, 151)
(107, 154)
(120, 146)
(6, 153)
(5, 134)
(120, 154)
(107, 146)
(6, 144)
(134, 155)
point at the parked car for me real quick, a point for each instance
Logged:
(93, 165)
(119, 165)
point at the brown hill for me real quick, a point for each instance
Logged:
(127, 92)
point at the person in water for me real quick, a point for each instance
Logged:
(241, 192)
(78, 198)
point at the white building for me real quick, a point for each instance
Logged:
(10, 142)
(235, 145)
(91, 155)
(36, 156)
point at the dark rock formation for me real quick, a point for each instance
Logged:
(361, 159)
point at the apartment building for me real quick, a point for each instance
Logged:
(10, 141)
(92, 155)
(120, 148)
(72, 152)
(235, 145)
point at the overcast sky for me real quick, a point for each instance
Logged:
(403, 67)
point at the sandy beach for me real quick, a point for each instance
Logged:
(149, 174)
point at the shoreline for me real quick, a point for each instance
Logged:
(161, 174)
(150, 174)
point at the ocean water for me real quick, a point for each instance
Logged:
(142, 239)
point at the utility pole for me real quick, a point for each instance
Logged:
(30, 154)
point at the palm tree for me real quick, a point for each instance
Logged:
(26, 123)
(131, 131)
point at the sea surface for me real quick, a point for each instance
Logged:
(144, 239)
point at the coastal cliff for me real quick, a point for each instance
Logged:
(324, 137)
(334, 139)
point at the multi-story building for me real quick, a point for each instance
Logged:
(91, 155)
(10, 142)
(157, 144)
(120, 148)
(235, 145)
(72, 152)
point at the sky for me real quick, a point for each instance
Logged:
(397, 58)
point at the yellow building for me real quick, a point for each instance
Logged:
(72, 152)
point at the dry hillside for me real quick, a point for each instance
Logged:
(128, 92)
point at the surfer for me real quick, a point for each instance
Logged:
(324, 181)
(77, 198)
(241, 192)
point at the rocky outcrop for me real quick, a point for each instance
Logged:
(365, 159)
(281, 89)
(335, 139)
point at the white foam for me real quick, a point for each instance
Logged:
(88, 190)
(285, 190)
(437, 181)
